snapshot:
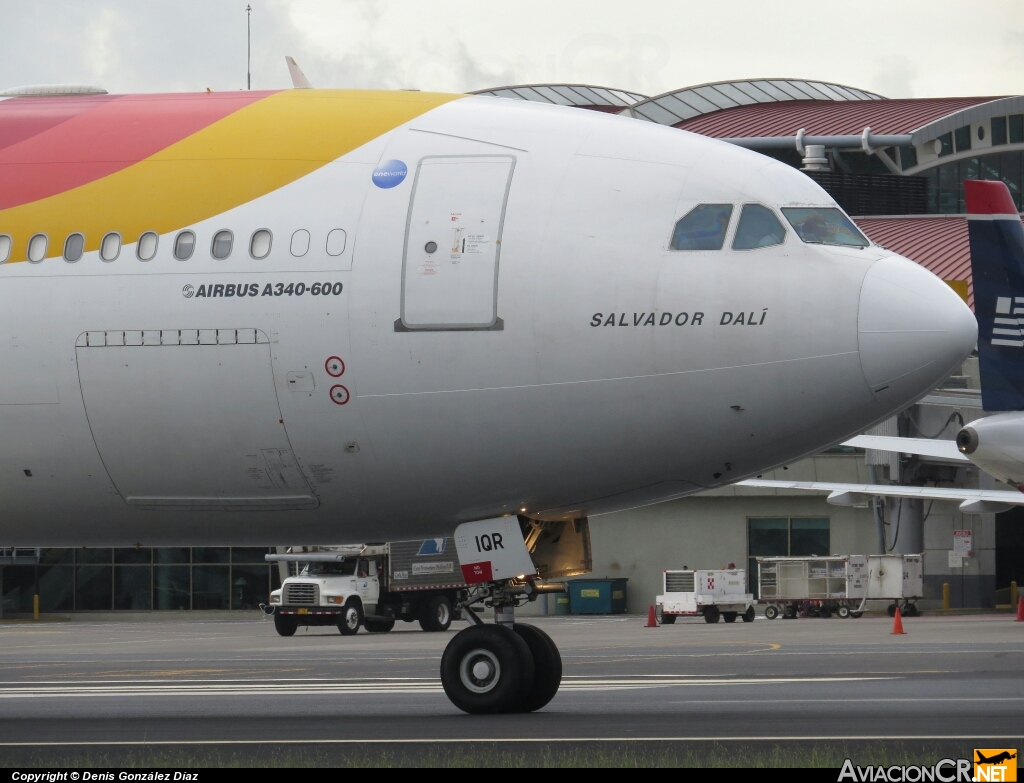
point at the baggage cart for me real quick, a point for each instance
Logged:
(819, 586)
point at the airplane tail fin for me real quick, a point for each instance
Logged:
(299, 80)
(997, 266)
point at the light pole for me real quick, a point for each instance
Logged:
(248, 47)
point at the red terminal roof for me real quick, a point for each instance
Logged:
(826, 118)
(939, 244)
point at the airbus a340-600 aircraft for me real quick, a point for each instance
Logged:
(995, 443)
(319, 317)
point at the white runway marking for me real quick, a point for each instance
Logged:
(321, 687)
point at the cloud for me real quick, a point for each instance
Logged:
(894, 76)
(647, 45)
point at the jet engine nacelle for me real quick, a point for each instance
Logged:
(996, 445)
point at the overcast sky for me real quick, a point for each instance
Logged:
(910, 48)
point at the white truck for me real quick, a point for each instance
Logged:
(370, 586)
(713, 594)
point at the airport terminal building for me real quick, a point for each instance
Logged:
(897, 166)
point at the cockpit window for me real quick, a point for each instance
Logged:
(702, 228)
(344, 568)
(824, 226)
(758, 227)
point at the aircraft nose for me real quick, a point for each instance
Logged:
(913, 331)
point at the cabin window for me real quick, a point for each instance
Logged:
(300, 243)
(259, 245)
(146, 248)
(758, 227)
(74, 246)
(110, 246)
(220, 248)
(824, 226)
(184, 244)
(37, 248)
(5, 247)
(702, 228)
(336, 242)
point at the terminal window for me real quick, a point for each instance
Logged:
(785, 536)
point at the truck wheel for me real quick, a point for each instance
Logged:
(770, 612)
(891, 610)
(748, 616)
(668, 619)
(789, 611)
(547, 667)
(285, 625)
(351, 618)
(842, 611)
(729, 617)
(378, 626)
(825, 611)
(711, 614)
(486, 670)
(437, 614)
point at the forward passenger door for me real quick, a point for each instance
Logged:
(453, 243)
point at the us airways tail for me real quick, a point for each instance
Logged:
(997, 264)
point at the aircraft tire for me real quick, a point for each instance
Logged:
(351, 618)
(729, 617)
(547, 667)
(487, 670)
(748, 616)
(378, 626)
(437, 614)
(285, 625)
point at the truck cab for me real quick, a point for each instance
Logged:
(341, 592)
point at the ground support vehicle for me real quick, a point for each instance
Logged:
(895, 578)
(812, 586)
(370, 586)
(712, 594)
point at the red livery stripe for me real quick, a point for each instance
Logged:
(23, 118)
(100, 138)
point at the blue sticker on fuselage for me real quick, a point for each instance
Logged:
(389, 174)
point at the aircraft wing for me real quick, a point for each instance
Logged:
(972, 501)
(939, 449)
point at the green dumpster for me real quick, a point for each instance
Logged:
(597, 596)
(561, 603)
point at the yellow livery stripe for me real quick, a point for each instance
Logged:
(241, 157)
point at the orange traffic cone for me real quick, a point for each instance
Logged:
(652, 621)
(897, 623)
(1020, 609)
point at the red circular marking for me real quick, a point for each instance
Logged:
(335, 366)
(339, 394)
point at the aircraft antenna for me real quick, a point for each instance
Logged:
(248, 47)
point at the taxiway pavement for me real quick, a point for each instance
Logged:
(232, 679)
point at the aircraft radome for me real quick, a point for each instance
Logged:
(318, 317)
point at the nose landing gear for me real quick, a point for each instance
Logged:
(502, 668)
